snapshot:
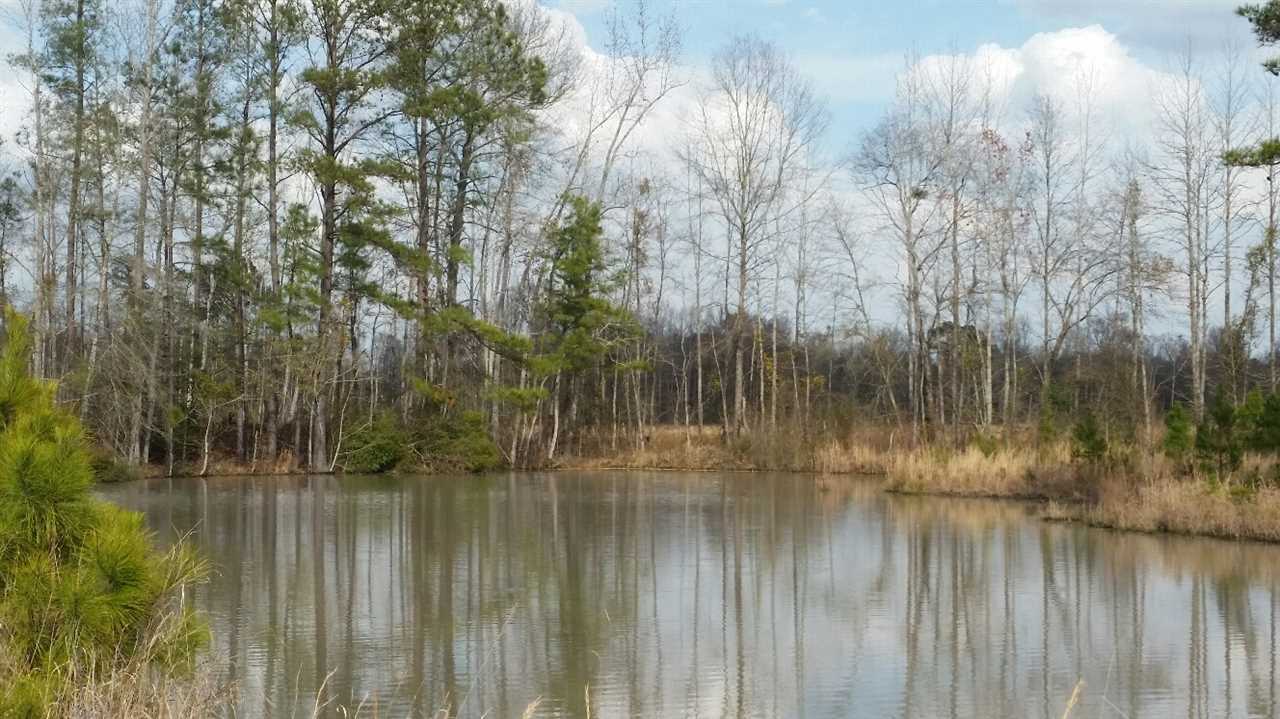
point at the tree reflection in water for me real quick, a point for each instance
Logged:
(709, 595)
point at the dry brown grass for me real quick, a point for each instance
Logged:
(1189, 507)
(1000, 471)
(675, 447)
(144, 695)
(968, 473)
(1266, 466)
(1144, 493)
(140, 694)
(832, 457)
(668, 447)
(1134, 489)
(228, 465)
(138, 687)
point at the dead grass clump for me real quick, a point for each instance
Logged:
(663, 447)
(865, 451)
(1190, 507)
(832, 457)
(137, 693)
(140, 683)
(222, 464)
(1055, 511)
(1260, 468)
(969, 473)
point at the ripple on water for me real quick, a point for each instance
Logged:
(706, 595)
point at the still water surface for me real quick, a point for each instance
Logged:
(708, 595)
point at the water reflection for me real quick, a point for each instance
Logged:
(711, 596)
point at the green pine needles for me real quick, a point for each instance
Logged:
(83, 592)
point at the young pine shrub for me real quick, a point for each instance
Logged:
(1264, 425)
(1218, 443)
(1179, 439)
(82, 590)
(987, 444)
(1088, 444)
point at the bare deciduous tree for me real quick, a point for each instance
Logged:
(749, 139)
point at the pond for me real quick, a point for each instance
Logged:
(708, 595)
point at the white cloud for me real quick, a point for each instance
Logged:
(592, 86)
(14, 102)
(1053, 63)
(1061, 64)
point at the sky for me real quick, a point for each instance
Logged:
(851, 49)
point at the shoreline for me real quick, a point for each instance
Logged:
(1062, 491)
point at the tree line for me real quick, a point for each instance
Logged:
(282, 231)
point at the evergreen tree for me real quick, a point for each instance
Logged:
(583, 324)
(11, 221)
(199, 53)
(349, 44)
(82, 590)
(1265, 19)
(1264, 435)
(1218, 443)
(1178, 438)
(465, 90)
(1087, 440)
(72, 29)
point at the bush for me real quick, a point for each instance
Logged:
(109, 469)
(459, 441)
(449, 442)
(1218, 445)
(1056, 404)
(1087, 441)
(1046, 427)
(1178, 440)
(82, 590)
(1264, 423)
(376, 448)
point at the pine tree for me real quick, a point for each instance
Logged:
(1265, 19)
(1178, 439)
(583, 324)
(72, 29)
(342, 84)
(1218, 443)
(82, 590)
(1087, 441)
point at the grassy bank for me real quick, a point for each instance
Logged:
(1132, 490)
(137, 691)
(1126, 488)
(695, 449)
(1182, 507)
(1142, 492)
